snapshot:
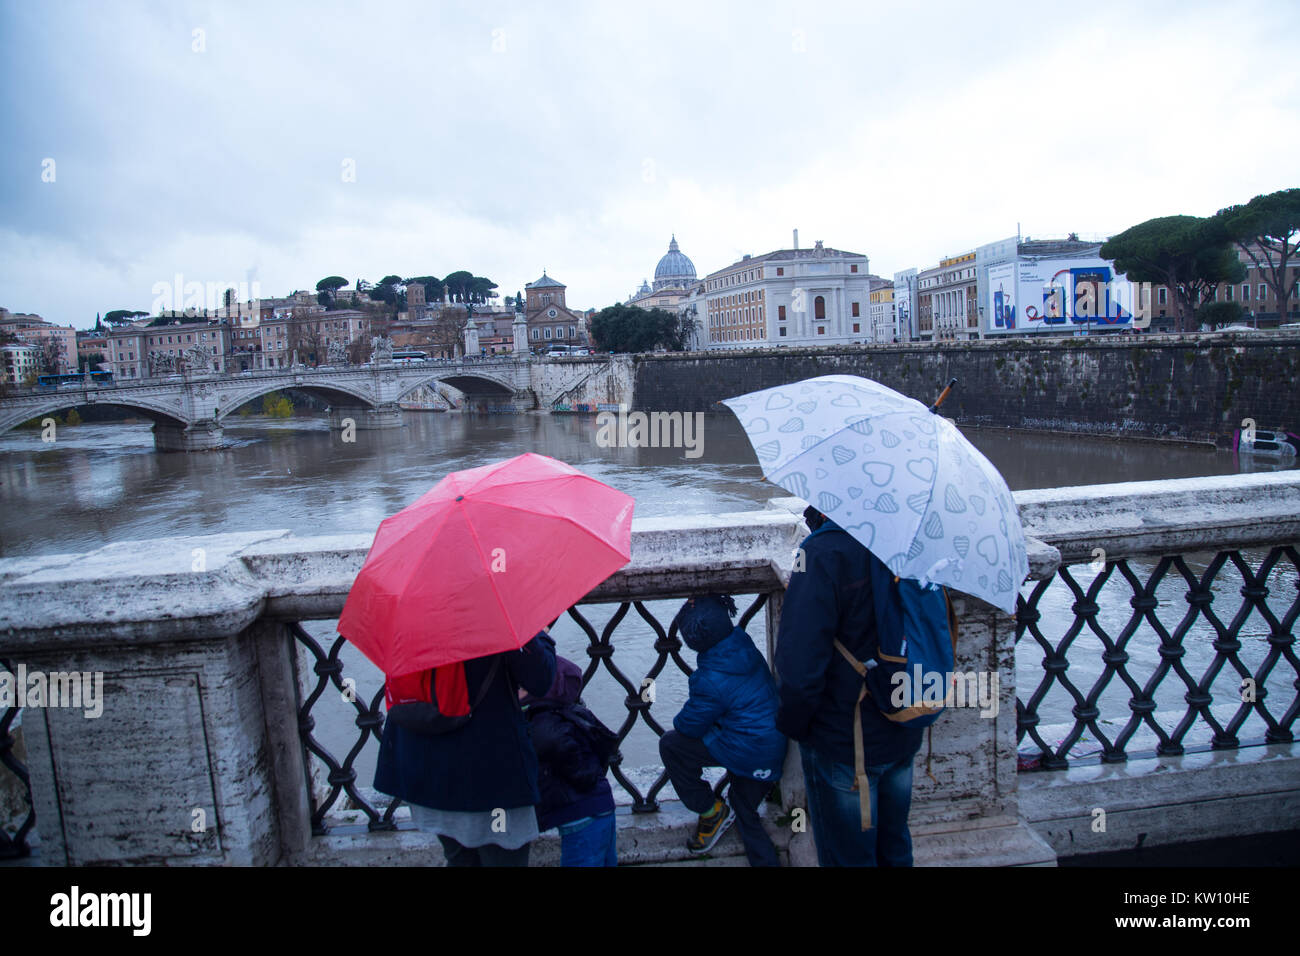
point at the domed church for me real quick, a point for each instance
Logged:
(674, 279)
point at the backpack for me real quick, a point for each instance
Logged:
(604, 742)
(911, 680)
(434, 701)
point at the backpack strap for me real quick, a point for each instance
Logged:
(487, 683)
(860, 781)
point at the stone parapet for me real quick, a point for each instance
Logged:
(197, 757)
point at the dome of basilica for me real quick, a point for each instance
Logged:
(674, 271)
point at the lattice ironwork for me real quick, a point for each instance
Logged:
(16, 845)
(1251, 697)
(342, 778)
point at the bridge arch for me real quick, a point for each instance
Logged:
(471, 383)
(12, 416)
(332, 394)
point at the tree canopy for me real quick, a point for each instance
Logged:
(1189, 255)
(386, 291)
(1267, 230)
(626, 328)
(480, 289)
(432, 287)
(458, 285)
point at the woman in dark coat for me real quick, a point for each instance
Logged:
(476, 786)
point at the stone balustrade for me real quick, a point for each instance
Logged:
(198, 758)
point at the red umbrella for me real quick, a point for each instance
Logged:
(483, 561)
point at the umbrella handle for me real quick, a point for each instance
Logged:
(942, 396)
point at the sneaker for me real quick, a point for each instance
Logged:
(710, 829)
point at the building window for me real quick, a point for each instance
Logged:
(853, 268)
(537, 334)
(780, 270)
(1164, 296)
(855, 312)
(780, 313)
(855, 327)
(1245, 292)
(573, 332)
(821, 330)
(819, 308)
(1227, 293)
(559, 331)
(1263, 291)
(547, 332)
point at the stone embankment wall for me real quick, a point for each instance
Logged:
(1197, 388)
(590, 380)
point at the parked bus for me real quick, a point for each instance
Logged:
(49, 383)
(407, 356)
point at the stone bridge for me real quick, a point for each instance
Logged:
(188, 411)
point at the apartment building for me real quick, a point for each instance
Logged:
(19, 362)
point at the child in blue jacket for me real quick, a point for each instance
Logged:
(729, 720)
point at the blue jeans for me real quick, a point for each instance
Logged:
(836, 816)
(592, 841)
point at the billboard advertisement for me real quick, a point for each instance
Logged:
(1002, 293)
(1033, 295)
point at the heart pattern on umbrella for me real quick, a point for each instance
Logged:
(902, 481)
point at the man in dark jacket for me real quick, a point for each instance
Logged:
(729, 720)
(476, 786)
(830, 597)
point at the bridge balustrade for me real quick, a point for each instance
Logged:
(1150, 671)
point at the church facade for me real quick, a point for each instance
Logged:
(550, 320)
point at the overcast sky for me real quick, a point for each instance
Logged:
(214, 140)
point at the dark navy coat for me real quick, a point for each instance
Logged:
(488, 763)
(732, 708)
(831, 598)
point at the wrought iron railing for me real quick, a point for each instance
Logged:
(1211, 700)
(1153, 683)
(340, 777)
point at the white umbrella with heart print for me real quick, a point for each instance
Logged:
(898, 478)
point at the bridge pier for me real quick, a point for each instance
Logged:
(201, 436)
(386, 415)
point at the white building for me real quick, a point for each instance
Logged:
(796, 296)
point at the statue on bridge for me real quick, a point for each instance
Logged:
(336, 353)
(381, 349)
(162, 363)
(201, 358)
